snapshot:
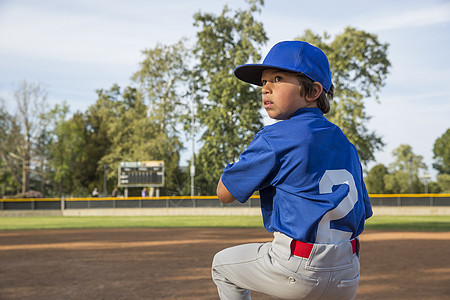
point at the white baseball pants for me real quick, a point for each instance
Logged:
(330, 272)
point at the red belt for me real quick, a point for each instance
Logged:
(304, 249)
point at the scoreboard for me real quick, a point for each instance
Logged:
(141, 173)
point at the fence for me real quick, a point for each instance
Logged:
(410, 199)
(396, 200)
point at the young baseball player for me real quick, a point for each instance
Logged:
(310, 182)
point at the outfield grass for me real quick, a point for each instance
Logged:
(391, 223)
(409, 223)
(16, 223)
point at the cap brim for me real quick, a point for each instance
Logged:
(251, 73)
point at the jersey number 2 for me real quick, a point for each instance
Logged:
(330, 178)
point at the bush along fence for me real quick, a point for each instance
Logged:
(396, 200)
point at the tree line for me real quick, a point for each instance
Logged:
(51, 151)
(409, 174)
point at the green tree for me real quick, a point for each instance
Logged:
(10, 168)
(403, 172)
(229, 113)
(433, 187)
(31, 104)
(135, 136)
(163, 79)
(359, 65)
(98, 118)
(67, 151)
(29, 125)
(41, 173)
(443, 181)
(441, 151)
(375, 179)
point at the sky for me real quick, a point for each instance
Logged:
(76, 47)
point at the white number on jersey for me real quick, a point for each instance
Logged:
(330, 178)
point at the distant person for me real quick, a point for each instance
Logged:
(144, 192)
(95, 192)
(115, 192)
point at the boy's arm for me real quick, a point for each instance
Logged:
(223, 193)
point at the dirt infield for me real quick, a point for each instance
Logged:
(175, 263)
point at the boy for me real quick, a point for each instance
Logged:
(313, 197)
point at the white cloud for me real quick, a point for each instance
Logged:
(86, 31)
(419, 97)
(412, 17)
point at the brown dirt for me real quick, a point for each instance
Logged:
(175, 263)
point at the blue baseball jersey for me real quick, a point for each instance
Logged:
(309, 178)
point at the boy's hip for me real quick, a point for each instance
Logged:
(316, 257)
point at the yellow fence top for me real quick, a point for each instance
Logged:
(197, 198)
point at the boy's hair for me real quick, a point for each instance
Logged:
(307, 88)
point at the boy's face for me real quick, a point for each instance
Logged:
(281, 94)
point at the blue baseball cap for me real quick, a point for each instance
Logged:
(291, 56)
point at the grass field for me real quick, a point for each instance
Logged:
(393, 223)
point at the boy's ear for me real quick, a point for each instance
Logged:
(315, 93)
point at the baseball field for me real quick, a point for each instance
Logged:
(170, 257)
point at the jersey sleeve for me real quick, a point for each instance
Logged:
(253, 171)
